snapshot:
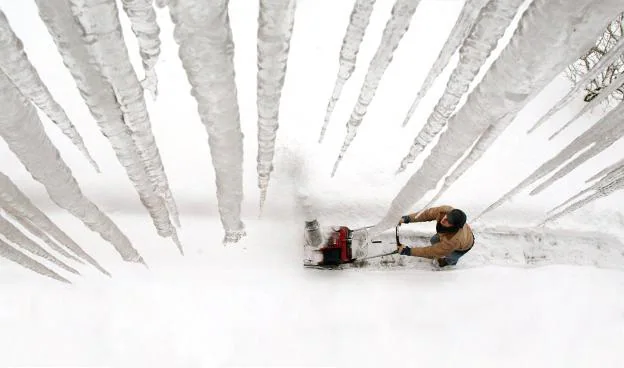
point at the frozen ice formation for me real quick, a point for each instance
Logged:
(105, 109)
(275, 25)
(24, 134)
(15, 64)
(612, 55)
(538, 50)
(397, 25)
(14, 235)
(9, 252)
(466, 20)
(358, 22)
(207, 54)
(590, 143)
(612, 180)
(143, 18)
(99, 20)
(604, 94)
(492, 21)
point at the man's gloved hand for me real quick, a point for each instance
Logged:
(405, 220)
(404, 250)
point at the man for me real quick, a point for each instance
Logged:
(453, 238)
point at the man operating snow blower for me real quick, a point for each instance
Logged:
(452, 240)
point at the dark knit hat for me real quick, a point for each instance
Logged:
(456, 218)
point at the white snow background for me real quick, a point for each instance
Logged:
(526, 296)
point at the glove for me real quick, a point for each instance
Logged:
(406, 251)
(406, 219)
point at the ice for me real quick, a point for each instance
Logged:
(100, 98)
(481, 146)
(144, 25)
(604, 94)
(492, 21)
(537, 52)
(207, 56)
(12, 254)
(358, 22)
(275, 24)
(607, 59)
(99, 20)
(593, 141)
(464, 24)
(611, 182)
(17, 205)
(24, 134)
(15, 64)
(397, 25)
(14, 235)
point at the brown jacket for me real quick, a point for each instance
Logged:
(461, 240)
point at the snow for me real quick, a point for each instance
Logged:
(526, 296)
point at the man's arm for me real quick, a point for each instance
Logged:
(430, 214)
(439, 249)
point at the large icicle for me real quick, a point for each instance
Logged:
(539, 49)
(483, 144)
(102, 33)
(100, 99)
(607, 59)
(465, 22)
(143, 18)
(612, 182)
(358, 22)
(492, 21)
(15, 64)
(397, 25)
(24, 134)
(207, 56)
(603, 95)
(593, 141)
(14, 235)
(20, 258)
(275, 24)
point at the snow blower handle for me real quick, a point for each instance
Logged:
(396, 234)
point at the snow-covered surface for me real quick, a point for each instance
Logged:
(526, 296)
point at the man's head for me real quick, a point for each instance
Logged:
(456, 218)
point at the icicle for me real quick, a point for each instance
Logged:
(14, 235)
(22, 131)
(18, 206)
(102, 33)
(100, 99)
(275, 24)
(602, 135)
(612, 182)
(597, 138)
(143, 18)
(360, 17)
(26, 224)
(15, 64)
(606, 171)
(607, 59)
(604, 94)
(536, 53)
(20, 258)
(483, 144)
(207, 56)
(397, 25)
(464, 24)
(490, 26)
